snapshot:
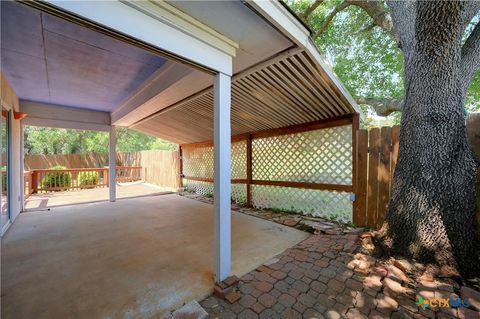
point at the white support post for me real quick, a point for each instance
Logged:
(222, 141)
(22, 167)
(112, 161)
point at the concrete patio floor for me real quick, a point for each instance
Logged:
(124, 190)
(134, 258)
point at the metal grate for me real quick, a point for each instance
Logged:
(330, 204)
(319, 156)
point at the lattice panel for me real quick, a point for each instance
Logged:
(320, 156)
(329, 204)
(239, 160)
(239, 191)
(198, 162)
(201, 188)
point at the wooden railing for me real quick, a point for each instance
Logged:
(129, 173)
(50, 180)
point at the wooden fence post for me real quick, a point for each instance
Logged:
(249, 170)
(180, 166)
(34, 186)
(360, 204)
(355, 127)
(384, 174)
(373, 177)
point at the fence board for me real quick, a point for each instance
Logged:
(360, 204)
(160, 168)
(395, 143)
(384, 174)
(372, 192)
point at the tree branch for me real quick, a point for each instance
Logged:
(382, 107)
(471, 56)
(377, 11)
(329, 18)
(471, 9)
(304, 15)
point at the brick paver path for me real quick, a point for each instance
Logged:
(322, 277)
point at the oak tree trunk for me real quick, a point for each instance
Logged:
(432, 207)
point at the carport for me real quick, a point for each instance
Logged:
(195, 73)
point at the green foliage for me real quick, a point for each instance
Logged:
(60, 180)
(41, 140)
(88, 179)
(4, 180)
(367, 60)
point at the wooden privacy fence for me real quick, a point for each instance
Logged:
(377, 154)
(159, 167)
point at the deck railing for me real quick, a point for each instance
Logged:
(51, 180)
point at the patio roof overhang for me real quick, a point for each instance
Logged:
(278, 76)
(186, 71)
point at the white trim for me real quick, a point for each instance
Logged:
(175, 18)
(65, 124)
(222, 188)
(51, 115)
(153, 28)
(22, 167)
(112, 164)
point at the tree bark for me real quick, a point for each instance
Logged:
(432, 206)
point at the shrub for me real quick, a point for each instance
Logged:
(88, 179)
(4, 179)
(60, 180)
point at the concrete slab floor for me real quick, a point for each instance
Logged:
(135, 258)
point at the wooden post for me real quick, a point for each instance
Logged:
(249, 170)
(180, 152)
(373, 149)
(34, 182)
(355, 126)
(384, 174)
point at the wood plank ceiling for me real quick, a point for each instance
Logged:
(285, 91)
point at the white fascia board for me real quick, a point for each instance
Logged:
(147, 22)
(284, 21)
(49, 115)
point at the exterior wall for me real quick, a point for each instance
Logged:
(10, 102)
(15, 169)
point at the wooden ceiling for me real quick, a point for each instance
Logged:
(287, 90)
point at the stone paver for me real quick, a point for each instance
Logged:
(322, 277)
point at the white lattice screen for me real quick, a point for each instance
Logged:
(330, 204)
(198, 161)
(318, 156)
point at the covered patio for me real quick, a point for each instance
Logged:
(233, 82)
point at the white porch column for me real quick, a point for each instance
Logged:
(221, 143)
(112, 161)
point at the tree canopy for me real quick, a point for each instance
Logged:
(365, 56)
(42, 140)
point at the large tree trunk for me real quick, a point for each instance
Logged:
(432, 207)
